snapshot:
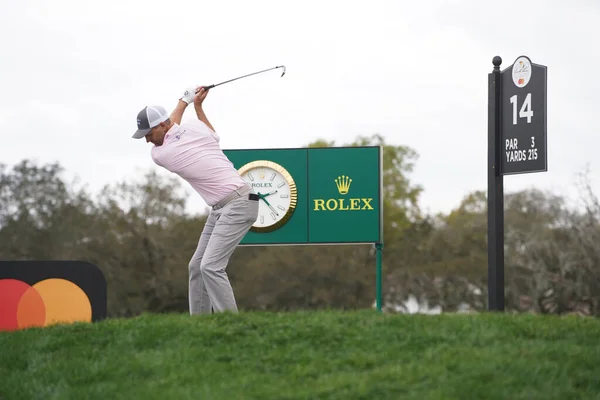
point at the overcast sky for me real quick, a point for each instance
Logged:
(75, 74)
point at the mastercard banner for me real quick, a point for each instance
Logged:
(43, 293)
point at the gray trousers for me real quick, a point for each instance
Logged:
(227, 224)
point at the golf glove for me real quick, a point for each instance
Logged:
(189, 94)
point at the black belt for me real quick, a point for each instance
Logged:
(253, 196)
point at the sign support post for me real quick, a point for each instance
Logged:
(495, 194)
(379, 249)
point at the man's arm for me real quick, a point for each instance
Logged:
(202, 116)
(198, 99)
(177, 113)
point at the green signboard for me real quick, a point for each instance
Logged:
(328, 195)
(310, 196)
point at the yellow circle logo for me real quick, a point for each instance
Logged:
(48, 302)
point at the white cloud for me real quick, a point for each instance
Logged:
(75, 74)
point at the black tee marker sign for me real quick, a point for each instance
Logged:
(516, 144)
(523, 123)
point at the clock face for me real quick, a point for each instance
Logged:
(277, 191)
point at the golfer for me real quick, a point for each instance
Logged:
(191, 150)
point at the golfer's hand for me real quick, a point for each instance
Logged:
(189, 94)
(200, 96)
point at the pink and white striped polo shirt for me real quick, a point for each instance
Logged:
(191, 150)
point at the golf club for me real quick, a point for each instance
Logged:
(240, 77)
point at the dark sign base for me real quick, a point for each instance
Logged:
(307, 244)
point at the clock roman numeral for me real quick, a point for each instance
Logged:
(274, 216)
(281, 184)
(281, 208)
(250, 176)
(273, 176)
(284, 196)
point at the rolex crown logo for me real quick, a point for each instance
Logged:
(343, 184)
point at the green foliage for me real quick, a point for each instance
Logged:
(337, 355)
(38, 211)
(139, 234)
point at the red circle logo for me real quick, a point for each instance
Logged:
(47, 302)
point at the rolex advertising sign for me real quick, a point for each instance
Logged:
(344, 195)
(329, 195)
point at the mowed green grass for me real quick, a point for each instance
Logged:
(306, 355)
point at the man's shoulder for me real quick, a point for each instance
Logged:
(155, 153)
(165, 154)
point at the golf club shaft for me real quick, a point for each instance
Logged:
(244, 76)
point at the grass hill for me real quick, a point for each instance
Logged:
(306, 355)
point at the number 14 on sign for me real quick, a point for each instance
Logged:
(525, 111)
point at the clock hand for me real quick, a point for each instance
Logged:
(270, 193)
(262, 196)
(271, 207)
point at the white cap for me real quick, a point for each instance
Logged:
(148, 118)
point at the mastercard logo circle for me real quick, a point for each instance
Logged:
(47, 302)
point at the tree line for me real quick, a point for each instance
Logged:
(140, 235)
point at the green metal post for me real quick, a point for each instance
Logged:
(379, 247)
